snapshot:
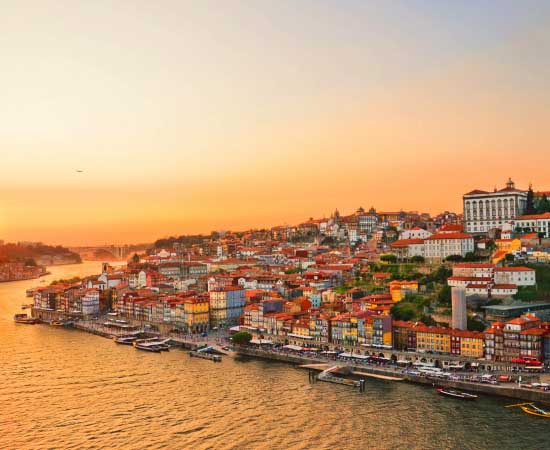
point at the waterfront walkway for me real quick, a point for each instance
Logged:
(463, 382)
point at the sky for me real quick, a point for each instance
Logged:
(193, 116)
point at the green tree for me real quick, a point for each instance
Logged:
(444, 295)
(418, 259)
(543, 205)
(470, 256)
(454, 258)
(530, 205)
(475, 325)
(389, 258)
(242, 338)
(403, 310)
(510, 257)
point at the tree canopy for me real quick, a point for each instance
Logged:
(242, 338)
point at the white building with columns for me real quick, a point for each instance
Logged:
(484, 210)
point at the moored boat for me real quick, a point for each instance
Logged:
(532, 409)
(125, 340)
(153, 343)
(56, 323)
(456, 394)
(148, 348)
(24, 318)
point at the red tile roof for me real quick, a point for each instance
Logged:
(440, 236)
(406, 242)
(514, 269)
(535, 216)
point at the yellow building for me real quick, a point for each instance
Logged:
(471, 343)
(435, 339)
(196, 313)
(399, 289)
(505, 247)
(301, 328)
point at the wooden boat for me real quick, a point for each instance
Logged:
(57, 323)
(125, 340)
(148, 348)
(456, 394)
(530, 408)
(153, 345)
(535, 411)
(23, 318)
(204, 355)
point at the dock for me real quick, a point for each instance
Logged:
(377, 376)
(323, 366)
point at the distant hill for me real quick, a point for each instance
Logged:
(37, 254)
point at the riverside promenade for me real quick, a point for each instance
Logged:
(508, 390)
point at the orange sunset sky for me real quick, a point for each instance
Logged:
(191, 116)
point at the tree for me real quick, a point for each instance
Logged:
(530, 205)
(543, 205)
(403, 311)
(454, 258)
(418, 259)
(444, 295)
(389, 258)
(470, 256)
(242, 338)
(135, 258)
(475, 325)
(510, 257)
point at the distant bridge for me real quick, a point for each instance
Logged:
(117, 251)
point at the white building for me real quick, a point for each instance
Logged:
(487, 280)
(90, 302)
(481, 270)
(536, 223)
(438, 246)
(415, 233)
(520, 276)
(484, 210)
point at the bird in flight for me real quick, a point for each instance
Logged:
(79, 170)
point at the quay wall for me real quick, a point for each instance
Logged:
(508, 390)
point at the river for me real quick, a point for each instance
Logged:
(66, 389)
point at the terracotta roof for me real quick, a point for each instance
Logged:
(474, 265)
(535, 216)
(440, 236)
(476, 192)
(472, 279)
(406, 242)
(514, 269)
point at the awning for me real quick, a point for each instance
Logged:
(261, 341)
(299, 336)
(349, 355)
(296, 348)
(237, 328)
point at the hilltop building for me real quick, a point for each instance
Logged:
(484, 210)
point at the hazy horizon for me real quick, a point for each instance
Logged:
(188, 117)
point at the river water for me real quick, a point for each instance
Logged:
(67, 389)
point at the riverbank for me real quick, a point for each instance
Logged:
(508, 390)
